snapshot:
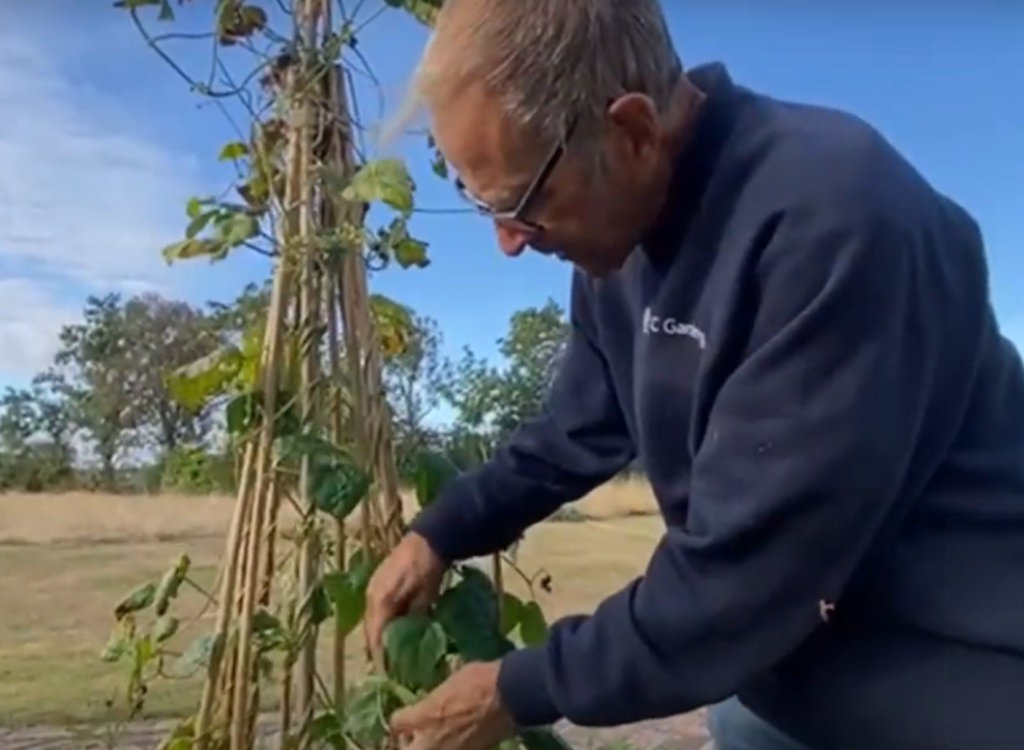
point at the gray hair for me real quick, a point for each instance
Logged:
(550, 61)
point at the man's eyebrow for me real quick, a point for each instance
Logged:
(505, 198)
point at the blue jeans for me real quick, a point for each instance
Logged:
(734, 727)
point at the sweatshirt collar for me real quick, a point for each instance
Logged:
(695, 164)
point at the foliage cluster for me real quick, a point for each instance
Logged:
(90, 421)
(472, 620)
(312, 384)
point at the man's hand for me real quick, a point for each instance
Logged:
(463, 713)
(407, 581)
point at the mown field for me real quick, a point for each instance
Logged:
(66, 559)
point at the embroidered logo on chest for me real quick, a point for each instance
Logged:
(652, 324)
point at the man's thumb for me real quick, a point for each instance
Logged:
(406, 720)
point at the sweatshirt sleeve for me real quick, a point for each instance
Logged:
(808, 444)
(579, 441)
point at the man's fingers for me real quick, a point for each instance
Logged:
(407, 720)
(421, 741)
(376, 619)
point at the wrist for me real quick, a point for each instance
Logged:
(523, 690)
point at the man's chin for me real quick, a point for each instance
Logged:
(594, 271)
(597, 269)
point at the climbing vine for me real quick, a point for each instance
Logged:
(304, 406)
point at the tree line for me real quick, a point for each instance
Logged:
(105, 413)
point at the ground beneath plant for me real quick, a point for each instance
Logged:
(678, 733)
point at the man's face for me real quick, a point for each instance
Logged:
(544, 196)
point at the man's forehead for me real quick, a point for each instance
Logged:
(490, 158)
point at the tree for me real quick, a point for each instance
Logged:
(35, 452)
(492, 401)
(533, 347)
(18, 420)
(413, 378)
(233, 319)
(93, 371)
(164, 335)
(53, 417)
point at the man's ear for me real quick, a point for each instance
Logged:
(635, 118)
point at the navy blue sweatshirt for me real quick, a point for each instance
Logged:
(803, 356)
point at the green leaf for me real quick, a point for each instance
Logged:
(392, 323)
(511, 613)
(384, 180)
(145, 652)
(164, 628)
(236, 21)
(182, 737)
(367, 710)
(199, 654)
(347, 591)
(135, 601)
(338, 488)
(166, 12)
(265, 622)
(195, 248)
(170, 584)
(196, 383)
(424, 11)
(316, 607)
(414, 647)
(242, 412)
(237, 227)
(268, 630)
(117, 645)
(194, 207)
(394, 241)
(233, 150)
(410, 253)
(326, 729)
(198, 224)
(338, 483)
(255, 192)
(431, 472)
(245, 412)
(468, 612)
(533, 627)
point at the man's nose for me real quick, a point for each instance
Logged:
(511, 240)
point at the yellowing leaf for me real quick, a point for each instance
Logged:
(385, 181)
(411, 252)
(233, 150)
(194, 207)
(392, 323)
(196, 383)
(194, 248)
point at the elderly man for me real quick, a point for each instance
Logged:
(792, 330)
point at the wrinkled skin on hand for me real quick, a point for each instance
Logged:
(463, 713)
(408, 581)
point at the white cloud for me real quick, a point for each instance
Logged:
(85, 202)
(78, 191)
(31, 317)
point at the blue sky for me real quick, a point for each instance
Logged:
(101, 145)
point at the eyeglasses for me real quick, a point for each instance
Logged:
(515, 218)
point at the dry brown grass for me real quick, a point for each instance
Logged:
(619, 499)
(66, 559)
(91, 517)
